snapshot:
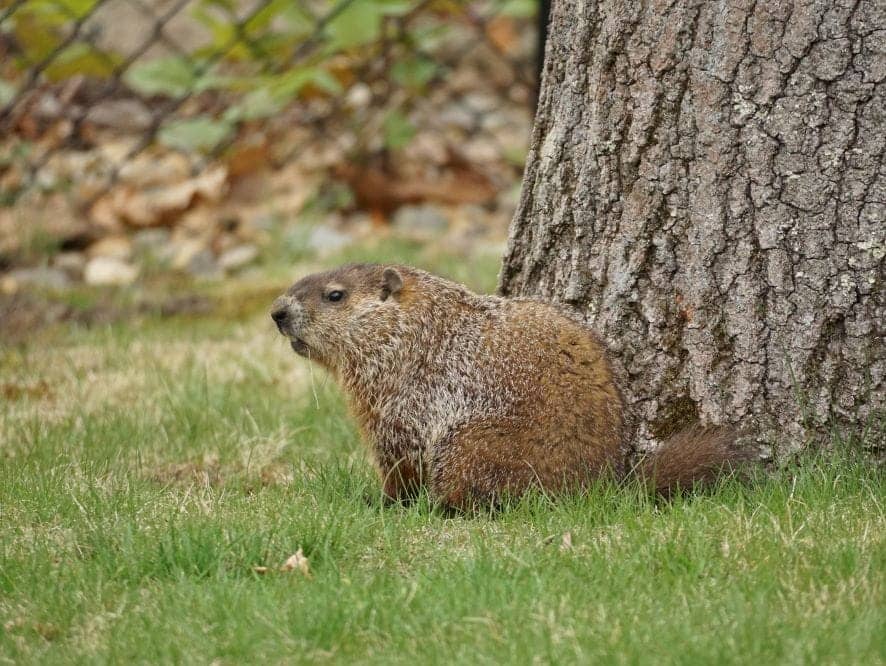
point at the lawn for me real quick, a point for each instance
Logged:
(157, 471)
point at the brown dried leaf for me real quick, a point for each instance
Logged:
(504, 34)
(566, 542)
(376, 188)
(159, 205)
(298, 561)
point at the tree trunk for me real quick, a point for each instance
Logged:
(706, 181)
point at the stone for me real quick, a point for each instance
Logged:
(42, 277)
(425, 220)
(203, 265)
(48, 107)
(481, 150)
(325, 240)
(154, 170)
(8, 286)
(358, 96)
(115, 247)
(179, 253)
(237, 257)
(72, 263)
(109, 271)
(459, 116)
(481, 102)
(265, 222)
(120, 114)
(150, 241)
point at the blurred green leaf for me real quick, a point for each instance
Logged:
(287, 85)
(172, 76)
(60, 9)
(7, 92)
(37, 37)
(77, 8)
(229, 6)
(398, 131)
(274, 93)
(264, 16)
(200, 133)
(396, 7)
(297, 21)
(326, 81)
(519, 8)
(429, 37)
(214, 81)
(358, 24)
(221, 29)
(259, 103)
(80, 58)
(414, 72)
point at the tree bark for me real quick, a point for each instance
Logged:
(706, 181)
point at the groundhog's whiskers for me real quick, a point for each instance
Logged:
(313, 383)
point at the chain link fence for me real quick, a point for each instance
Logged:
(398, 100)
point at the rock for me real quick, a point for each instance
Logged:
(480, 150)
(114, 247)
(481, 102)
(265, 222)
(152, 205)
(106, 271)
(204, 266)
(225, 241)
(427, 148)
(48, 107)
(40, 278)
(180, 253)
(8, 286)
(508, 199)
(120, 114)
(72, 263)
(494, 120)
(153, 170)
(150, 241)
(457, 115)
(358, 96)
(187, 304)
(325, 240)
(237, 257)
(425, 220)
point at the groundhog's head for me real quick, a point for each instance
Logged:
(344, 313)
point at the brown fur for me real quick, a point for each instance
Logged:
(693, 457)
(476, 397)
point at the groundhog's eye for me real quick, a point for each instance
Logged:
(335, 296)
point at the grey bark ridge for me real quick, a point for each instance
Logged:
(706, 181)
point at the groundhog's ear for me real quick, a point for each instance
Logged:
(392, 283)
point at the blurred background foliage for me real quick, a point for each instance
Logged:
(268, 57)
(148, 145)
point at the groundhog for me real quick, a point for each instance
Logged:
(477, 398)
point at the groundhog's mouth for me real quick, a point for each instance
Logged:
(299, 346)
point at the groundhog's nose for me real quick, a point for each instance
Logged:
(280, 311)
(279, 315)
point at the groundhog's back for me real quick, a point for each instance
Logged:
(564, 425)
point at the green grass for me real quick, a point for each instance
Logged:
(150, 466)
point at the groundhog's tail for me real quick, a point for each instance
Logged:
(691, 458)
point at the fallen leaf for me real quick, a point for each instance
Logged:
(376, 188)
(249, 157)
(260, 570)
(504, 34)
(566, 542)
(158, 205)
(298, 561)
